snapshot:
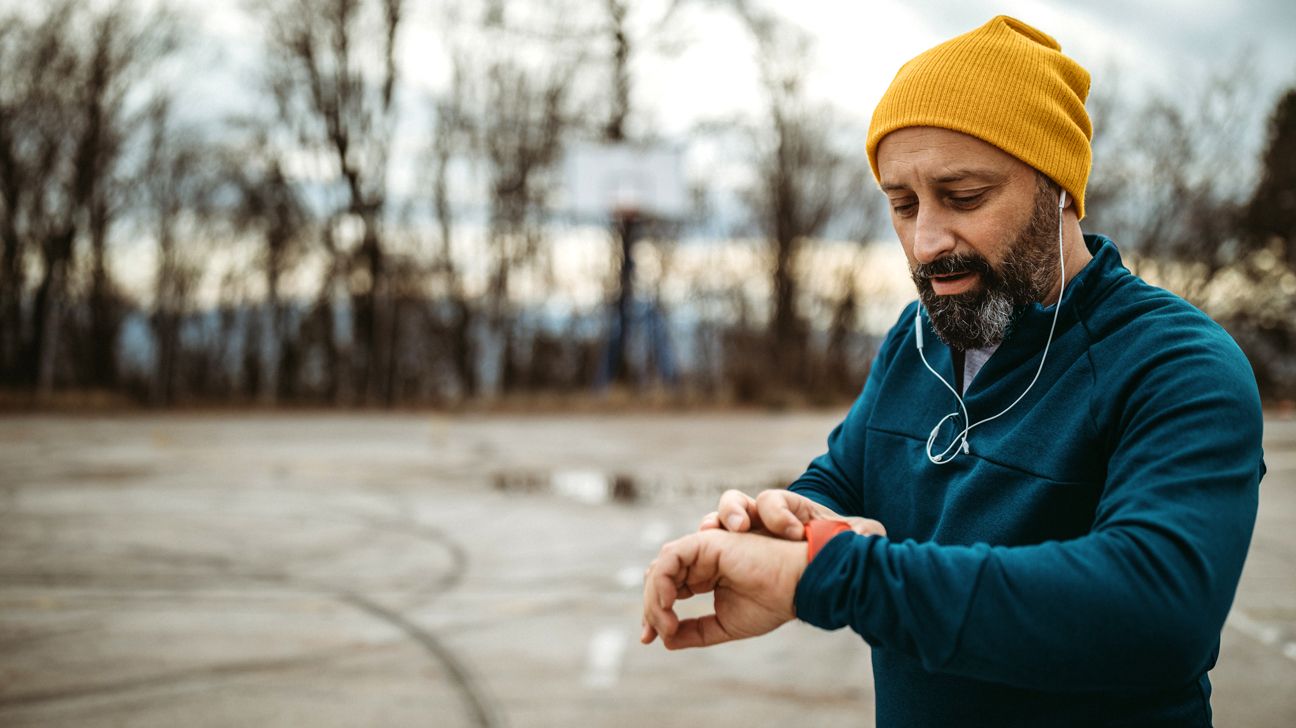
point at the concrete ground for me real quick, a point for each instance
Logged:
(329, 570)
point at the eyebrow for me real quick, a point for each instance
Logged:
(957, 175)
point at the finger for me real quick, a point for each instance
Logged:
(866, 526)
(663, 622)
(664, 594)
(657, 621)
(676, 575)
(737, 511)
(710, 521)
(689, 590)
(700, 632)
(784, 513)
(661, 588)
(651, 601)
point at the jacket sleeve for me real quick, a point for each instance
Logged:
(833, 478)
(1139, 601)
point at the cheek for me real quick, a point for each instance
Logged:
(898, 223)
(906, 244)
(904, 231)
(996, 231)
(989, 236)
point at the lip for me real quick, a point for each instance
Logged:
(952, 286)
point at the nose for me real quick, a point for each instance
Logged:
(933, 237)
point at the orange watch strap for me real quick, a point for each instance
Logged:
(819, 532)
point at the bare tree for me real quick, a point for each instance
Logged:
(1270, 214)
(524, 117)
(1167, 178)
(522, 143)
(64, 125)
(452, 139)
(178, 197)
(38, 64)
(1170, 185)
(626, 227)
(269, 206)
(337, 91)
(804, 181)
(620, 70)
(1266, 327)
(125, 47)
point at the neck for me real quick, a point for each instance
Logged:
(1075, 253)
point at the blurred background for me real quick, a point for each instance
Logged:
(357, 355)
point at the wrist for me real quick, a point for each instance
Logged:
(819, 532)
(792, 566)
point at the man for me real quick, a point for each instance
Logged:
(1037, 511)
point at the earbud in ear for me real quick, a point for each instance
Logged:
(1062, 199)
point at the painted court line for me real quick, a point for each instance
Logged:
(1266, 634)
(603, 664)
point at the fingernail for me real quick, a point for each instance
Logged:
(734, 522)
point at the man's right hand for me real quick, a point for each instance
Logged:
(780, 513)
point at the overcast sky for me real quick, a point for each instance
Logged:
(859, 46)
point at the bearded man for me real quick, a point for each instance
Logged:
(1037, 511)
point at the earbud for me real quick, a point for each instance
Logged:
(1062, 199)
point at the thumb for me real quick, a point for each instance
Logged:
(784, 513)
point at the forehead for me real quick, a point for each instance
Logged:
(925, 155)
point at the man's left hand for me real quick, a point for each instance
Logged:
(779, 512)
(754, 578)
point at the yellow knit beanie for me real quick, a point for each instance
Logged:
(1005, 83)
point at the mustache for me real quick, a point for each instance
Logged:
(951, 265)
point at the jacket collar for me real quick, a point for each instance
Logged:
(1030, 330)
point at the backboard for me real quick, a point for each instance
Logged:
(602, 181)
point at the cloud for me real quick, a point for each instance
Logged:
(1157, 41)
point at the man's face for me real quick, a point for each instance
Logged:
(978, 226)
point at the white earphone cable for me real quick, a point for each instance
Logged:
(961, 441)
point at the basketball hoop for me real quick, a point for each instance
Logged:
(619, 181)
(629, 186)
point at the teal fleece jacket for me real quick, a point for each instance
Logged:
(1076, 566)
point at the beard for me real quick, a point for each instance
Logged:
(981, 318)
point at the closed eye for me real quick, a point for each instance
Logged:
(966, 202)
(904, 209)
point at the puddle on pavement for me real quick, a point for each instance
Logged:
(596, 487)
(584, 486)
